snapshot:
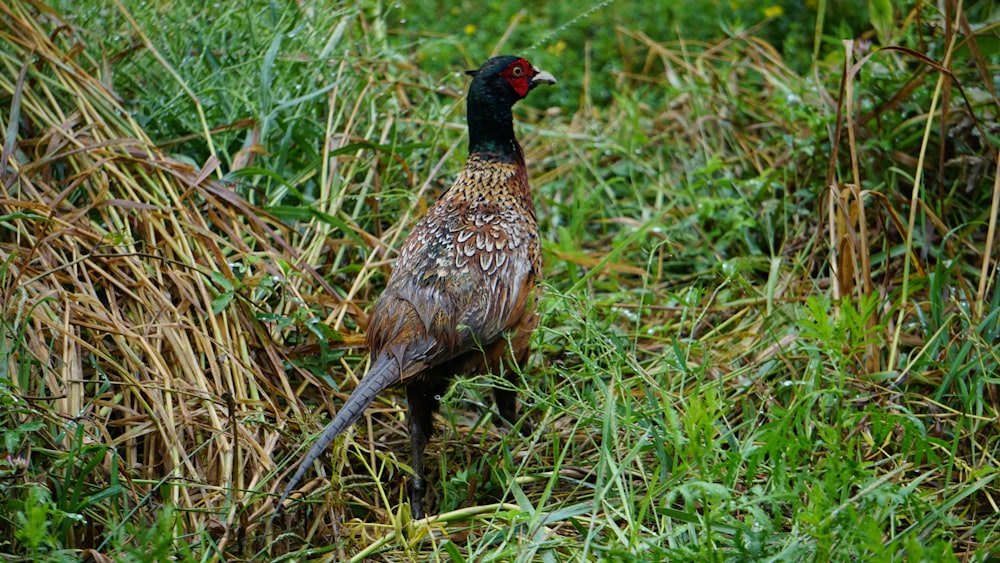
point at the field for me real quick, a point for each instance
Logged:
(770, 329)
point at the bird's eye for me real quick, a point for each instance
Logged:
(517, 71)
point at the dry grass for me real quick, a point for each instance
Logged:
(115, 256)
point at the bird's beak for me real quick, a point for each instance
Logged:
(542, 77)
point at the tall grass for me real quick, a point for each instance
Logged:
(769, 330)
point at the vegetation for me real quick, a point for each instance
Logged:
(771, 322)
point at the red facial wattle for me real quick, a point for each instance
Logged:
(518, 75)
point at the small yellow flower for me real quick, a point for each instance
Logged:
(774, 12)
(558, 48)
(455, 11)
(470, 29)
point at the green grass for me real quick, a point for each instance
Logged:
(734, 363)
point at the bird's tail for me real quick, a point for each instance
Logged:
(383, 373)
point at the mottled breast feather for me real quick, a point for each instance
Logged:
(466, 268)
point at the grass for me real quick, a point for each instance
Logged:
(770, 323)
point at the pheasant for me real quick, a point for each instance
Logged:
(462, 295)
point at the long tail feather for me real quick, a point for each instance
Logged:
(383, 373)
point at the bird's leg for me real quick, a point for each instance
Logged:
(422, 405)
(506, 401)
(506, 398)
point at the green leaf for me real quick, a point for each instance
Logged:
(880, 14)
(219, 279)
(221, 302)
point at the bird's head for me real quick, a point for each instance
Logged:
(506, 79)
(496, 87)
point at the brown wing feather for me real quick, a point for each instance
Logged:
(467, 273)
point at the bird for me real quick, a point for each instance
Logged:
(462, 296)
